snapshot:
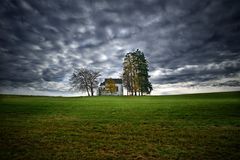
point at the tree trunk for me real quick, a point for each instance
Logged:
(91, 90)
(87, 91)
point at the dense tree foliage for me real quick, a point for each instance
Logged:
(135, 73)
(84, 80)
(110, 86)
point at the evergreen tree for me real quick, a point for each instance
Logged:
(135, 73)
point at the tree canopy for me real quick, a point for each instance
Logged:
(135, 73)
(110, 86)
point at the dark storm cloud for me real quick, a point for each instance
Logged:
(233, 83)
(42, 41)
(199, 73)
(202, 34)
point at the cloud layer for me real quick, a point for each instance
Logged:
(184, 41)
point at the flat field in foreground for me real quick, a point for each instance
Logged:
(201, 126)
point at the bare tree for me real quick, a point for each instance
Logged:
(84, 80)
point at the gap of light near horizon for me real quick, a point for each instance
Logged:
(191, 46)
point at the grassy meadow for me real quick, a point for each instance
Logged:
(200, 126)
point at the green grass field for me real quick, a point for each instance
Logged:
(201, 126)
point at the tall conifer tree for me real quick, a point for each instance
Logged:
(135, 73)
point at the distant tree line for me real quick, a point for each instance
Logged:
(135, 77)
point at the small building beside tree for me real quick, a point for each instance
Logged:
(110, 87)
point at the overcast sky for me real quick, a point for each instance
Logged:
(191, 45)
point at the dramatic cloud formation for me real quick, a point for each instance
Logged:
(188, 44)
